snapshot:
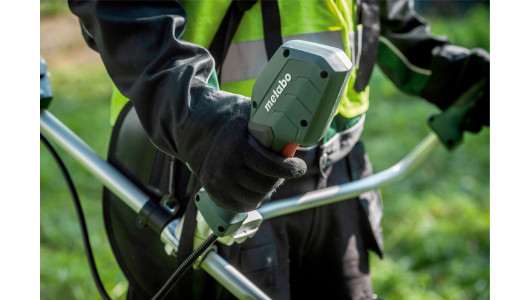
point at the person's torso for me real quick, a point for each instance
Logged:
(340, 23)
(332, 23)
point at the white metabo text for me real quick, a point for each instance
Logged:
(277, 91)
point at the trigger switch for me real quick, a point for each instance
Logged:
(289, 150)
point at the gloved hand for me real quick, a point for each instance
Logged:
(479, 115)
(238, 172)
(454, 71)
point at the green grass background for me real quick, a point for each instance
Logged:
(436, 221)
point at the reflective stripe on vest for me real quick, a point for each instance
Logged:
(246, 60)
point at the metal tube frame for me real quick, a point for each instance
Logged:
(355, 188)
(212, 263)
(114, 180)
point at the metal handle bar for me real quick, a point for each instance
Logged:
(355, 188)
(213, 264)
(114, 180)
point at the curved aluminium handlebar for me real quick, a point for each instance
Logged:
(355, 188)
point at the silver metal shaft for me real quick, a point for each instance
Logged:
(231, 278)
(355, 188)
(61, 135)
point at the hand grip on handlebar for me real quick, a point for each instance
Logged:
(449, 124)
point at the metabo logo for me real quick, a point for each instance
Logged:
(276, 92)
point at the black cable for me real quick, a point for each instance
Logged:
(173, 279)
(186, 264)
(81, 216)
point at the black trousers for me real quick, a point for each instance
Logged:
(320, 253)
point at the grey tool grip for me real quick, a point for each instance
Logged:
(221, 221)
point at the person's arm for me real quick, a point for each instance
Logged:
(425, 65)
(166, 80)
(164, 77)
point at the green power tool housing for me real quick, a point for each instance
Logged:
(294, 101)
(297, 94)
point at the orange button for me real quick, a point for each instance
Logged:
(289, 150)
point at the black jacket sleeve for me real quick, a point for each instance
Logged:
(425, 65)
(164, 76)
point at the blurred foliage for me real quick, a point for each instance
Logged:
(436, 221)
(50, 8)
(470, 29)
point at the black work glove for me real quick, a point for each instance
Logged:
(454, 71)
(479, 115)
(238, 172)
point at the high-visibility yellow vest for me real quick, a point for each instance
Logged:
(329, 22)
